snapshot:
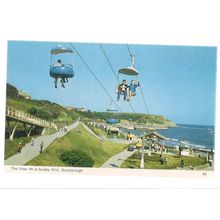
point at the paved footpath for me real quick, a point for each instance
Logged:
(90, 131)
(29, 152)
(104, 138)
(117, 159)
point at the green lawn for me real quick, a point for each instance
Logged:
(99, 151)
(22, 104)
(152, 162)
(98, 131)
(120, 136)
(11, 147)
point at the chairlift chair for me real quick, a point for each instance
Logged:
(129, 71)
(63, 71)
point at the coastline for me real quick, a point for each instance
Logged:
(192, 136)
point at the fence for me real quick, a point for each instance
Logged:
(27, 118)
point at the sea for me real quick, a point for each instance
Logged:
(194, 135)
(197, 136)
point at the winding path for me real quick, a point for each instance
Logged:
(117, 159)
(90, 131)
(29, 152)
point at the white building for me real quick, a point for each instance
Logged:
(23, 95)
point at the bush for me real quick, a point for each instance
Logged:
(43, 114)
(32, 111)
(77, 158)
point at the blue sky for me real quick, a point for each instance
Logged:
(177, 81)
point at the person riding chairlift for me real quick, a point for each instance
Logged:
(63, 79)
(132, 89)
(58, 63)
(122, 90)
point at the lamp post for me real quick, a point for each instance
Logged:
(142, 152)
(180, 148)
(149, 150)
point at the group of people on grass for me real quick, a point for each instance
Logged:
(127, 91)
(163, 160)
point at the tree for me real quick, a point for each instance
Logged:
(32, 111)
(11, 91)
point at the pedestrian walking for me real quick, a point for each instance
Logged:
(41, 146)
(182, 163)
(32, 141)
(19, 147)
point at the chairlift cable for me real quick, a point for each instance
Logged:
(131, 106)
(129, 51)
(113, 71)
(91, 71)
(110, 65)
(144, 99)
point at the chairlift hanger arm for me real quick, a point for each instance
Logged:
(144, 100)
(132, 60)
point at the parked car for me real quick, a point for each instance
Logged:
(131, 148)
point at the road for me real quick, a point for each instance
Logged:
(29, 152)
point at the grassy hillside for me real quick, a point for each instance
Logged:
(58, 114)
(63, 116)
(99, 151)
(134, 117)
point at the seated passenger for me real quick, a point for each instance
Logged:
(122, 90)
(55, 82)
(132, 89)
(63, 81)
(58, 63)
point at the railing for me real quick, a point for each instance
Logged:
(28, 118)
